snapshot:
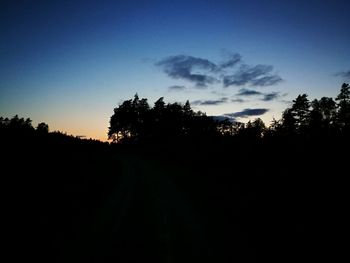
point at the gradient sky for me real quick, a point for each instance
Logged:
(69, 63)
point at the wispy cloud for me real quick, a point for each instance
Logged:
(176, 88)
(230, 72)
(237, 100)
(248, 92)
(271, 96)
(209, 102)
(266, 96)
(344, 74)
(259, 75)
(183, 67)
(247, 113)
(267, 81)
(231, 60)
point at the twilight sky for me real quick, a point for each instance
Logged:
(69, 63)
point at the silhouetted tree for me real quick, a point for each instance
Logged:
(187, 109)
(259, 127)
(328, 109)
(226, 127)
(254, 129)
(3, 122)
(274, 129)
(122, 122)
(134, 120)
(20, 124)
(295, 120)
(288, 123)
(343, 105)
(42, 128)
(300, 110)
(322, 115)
(316, 117)
(159, 105)
(174, 121)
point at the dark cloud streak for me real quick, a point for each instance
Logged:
(259, 75)
(344, 74)
(238, 100)
(271, 96)
(232, 60)
(247, 113)
(267, 81)
(176, 88)
(182, 67)
(266, 96)
(209, 102)
(248, 92)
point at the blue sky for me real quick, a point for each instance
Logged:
(69, 63)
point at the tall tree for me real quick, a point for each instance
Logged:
(296, 118)
(301, 110)
(121, 122)
(288, 123)
(343, 105)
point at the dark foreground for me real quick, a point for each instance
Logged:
(70, 202)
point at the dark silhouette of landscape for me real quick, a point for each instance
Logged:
(176, 185)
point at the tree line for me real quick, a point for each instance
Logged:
(135, 121)
(21, 126)
(18, 130)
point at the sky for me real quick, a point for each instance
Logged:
(70, 63)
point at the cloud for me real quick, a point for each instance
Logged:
(231, 72)
(247, 113)
(248, 92)
(232, 59)
(187, 67)
(271, 96)
(176, 88)
(267, 81)
(237, 100)
(210, 102)
(266, 96)
(259, 75)
(344, 74)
